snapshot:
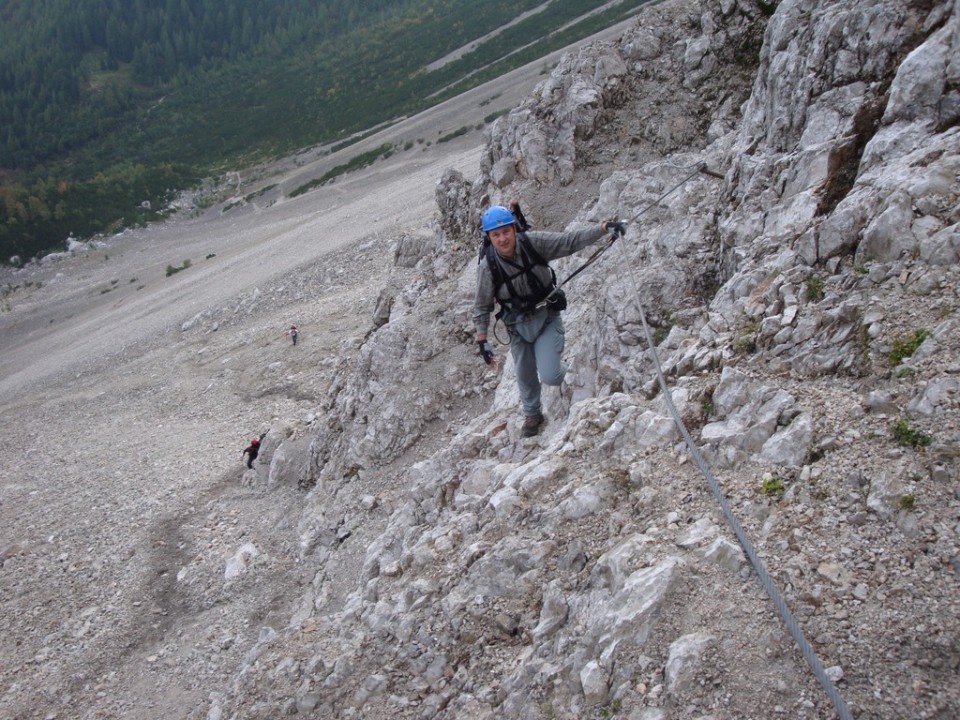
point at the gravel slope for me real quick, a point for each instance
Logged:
(122, 494)
(125, 432)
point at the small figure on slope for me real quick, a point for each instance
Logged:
(253, 449)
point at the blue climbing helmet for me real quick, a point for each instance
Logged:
(496, 217)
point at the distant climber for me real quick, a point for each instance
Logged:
(516, 275)
(293, 334)
(253, 450)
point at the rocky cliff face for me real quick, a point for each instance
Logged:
(803, 302)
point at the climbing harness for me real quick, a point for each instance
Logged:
(525, 260)
(520, 306)
(791, 624)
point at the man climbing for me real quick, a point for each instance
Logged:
(253, 450)
(293, 334)
(513, 270)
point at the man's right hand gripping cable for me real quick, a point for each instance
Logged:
(615, 227)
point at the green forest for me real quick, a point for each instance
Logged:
(108, 108)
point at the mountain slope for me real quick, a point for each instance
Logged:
(589, 572)
(435, 564)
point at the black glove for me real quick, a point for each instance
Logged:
(615, 227)
(486, 352)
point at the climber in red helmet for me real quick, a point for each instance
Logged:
(253, 450)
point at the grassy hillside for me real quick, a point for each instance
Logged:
(109, 107)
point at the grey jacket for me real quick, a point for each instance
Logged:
(550, 245)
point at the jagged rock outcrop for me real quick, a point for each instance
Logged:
(587, 572)
(656, 76)
(838, 167)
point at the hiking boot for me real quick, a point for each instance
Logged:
(531, 425)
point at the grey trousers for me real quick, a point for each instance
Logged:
(536, 343)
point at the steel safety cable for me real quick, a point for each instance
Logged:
(700, 167)
(791, 624)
